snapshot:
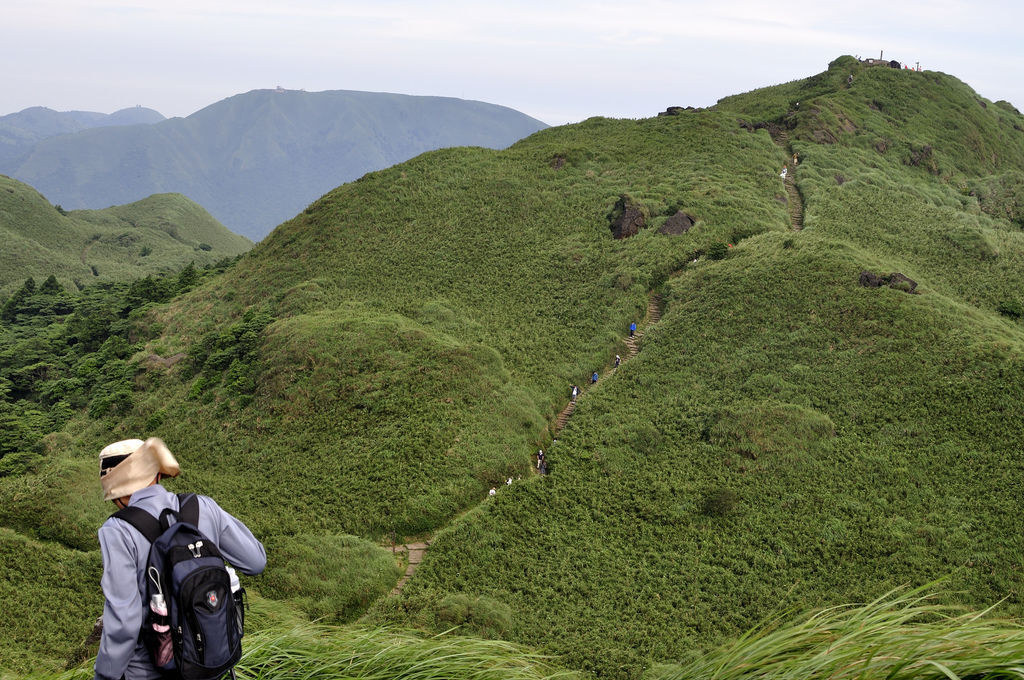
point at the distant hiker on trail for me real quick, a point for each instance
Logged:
(509, 482)
(540, 458)
(794, 160)
(618, 360)
(492, 492)
(130, 474)
(632, 329)
(543, 469)
(593, 378)
(784, 171)
(575, 393)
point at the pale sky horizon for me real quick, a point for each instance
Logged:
(558, 61)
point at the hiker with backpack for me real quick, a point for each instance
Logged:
(172, 608)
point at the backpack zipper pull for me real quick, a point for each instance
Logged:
(194, 549)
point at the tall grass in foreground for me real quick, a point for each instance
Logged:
(311, 652)
(897, 636)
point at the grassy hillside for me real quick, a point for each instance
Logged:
(256, 159)
(786, 436)
(157, 235)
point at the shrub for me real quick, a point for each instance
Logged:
(718, 250)
(719, 502)
(1011, 308)
(483, 616)
(334, 577)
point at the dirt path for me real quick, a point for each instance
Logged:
(794, 202)
(415, 552)
(632, 349)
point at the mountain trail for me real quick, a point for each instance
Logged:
(415, 552)
(632, 349)
(794, 202)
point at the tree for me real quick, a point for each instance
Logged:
(17, 301)
(51, 286)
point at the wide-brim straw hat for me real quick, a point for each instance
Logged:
(140, 462)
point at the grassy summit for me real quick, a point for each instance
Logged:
(157, 235)
(786, 435)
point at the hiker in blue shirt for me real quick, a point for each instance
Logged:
(632, 329)
(130, 473)
(593, 378)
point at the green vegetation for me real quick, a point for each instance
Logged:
(329, 578)
(155, 236)
(309, 651)
(899, 635)
(786, 437)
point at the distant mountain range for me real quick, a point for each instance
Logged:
(252, 160)
(19, 132)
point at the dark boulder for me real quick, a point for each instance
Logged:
(869, 280)
(901, 282)
(895, 280)
(626, 218)
(680, 223)
(675, 111)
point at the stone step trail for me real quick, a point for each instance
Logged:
(414, 557)
(794, 202)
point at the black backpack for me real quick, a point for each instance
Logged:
(186, 570)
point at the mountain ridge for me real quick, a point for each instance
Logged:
(257, 158)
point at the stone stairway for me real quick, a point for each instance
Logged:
(794, 202)
(414, 557)
(563, 417)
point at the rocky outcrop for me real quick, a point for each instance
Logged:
(894, 280)
(626, 218)
(680, 223)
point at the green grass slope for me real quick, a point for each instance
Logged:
(785, 437)
(157, 235)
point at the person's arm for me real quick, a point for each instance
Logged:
(236, 543)
(122, 610)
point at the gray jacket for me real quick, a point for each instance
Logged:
(125, 552)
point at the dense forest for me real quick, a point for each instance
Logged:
(65, 352)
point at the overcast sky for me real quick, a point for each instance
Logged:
(559, 61)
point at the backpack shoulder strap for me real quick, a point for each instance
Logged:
(147, 525)
(188, 508)
(151, 527)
